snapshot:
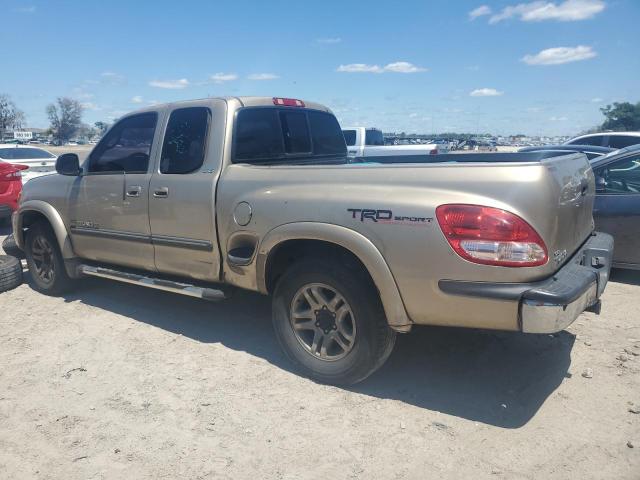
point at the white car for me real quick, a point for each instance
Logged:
(40, 161)
(369, 142)
(607, 139)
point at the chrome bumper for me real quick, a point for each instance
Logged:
(576, 287)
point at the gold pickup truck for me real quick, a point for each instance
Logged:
(201, 197)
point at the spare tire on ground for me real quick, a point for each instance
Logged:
(11, 248)
(10, 273)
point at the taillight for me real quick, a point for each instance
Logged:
(288, 102)
(12, 171)
(491, 236)
(433, 151)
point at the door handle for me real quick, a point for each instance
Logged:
(134, 191)
(161, 192)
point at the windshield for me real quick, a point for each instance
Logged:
(268, 134)
(24, 153)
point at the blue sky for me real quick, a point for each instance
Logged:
(541, 67)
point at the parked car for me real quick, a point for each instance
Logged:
(365, 142)
(37, 160)
(590, 151)
(607, 139)
(617, 206)
(10, 188)
(204, 196)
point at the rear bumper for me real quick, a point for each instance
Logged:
(551, 305)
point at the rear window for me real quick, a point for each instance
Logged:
(268, 134)
(374, 137)
(595, 141)
(24, 153)
(349, 137)
(623, 141)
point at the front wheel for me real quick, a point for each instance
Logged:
(329, 320)
(45, 260)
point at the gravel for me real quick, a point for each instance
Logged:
(114, 380)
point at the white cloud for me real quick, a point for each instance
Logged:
(479, 12)
(170, 84)
(262, 76)
(112, 78)
(540, 10)
(221, 77)
(89, 106)
(597, 100)
(137, 99)
(558, 119)
(359, 68)
(328, 40)
(485, 92)
(560, 55)
(403, 67)
(397, 67)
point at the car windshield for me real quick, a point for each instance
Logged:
(24, 153)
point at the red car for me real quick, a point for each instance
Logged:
(10, 188)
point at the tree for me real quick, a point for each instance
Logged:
(622, 116)
(65, 118)
(102, 127)
(10, 116)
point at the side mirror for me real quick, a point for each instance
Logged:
(601, 184)
(68, 164)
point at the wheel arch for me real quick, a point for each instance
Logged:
(32, 211)
(320, 236)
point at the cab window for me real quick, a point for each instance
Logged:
(126, 147)
(185, 140)
(349, 137)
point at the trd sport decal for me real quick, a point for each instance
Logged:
(386, 216)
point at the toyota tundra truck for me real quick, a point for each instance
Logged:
(204, 197)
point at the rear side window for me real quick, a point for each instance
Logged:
(373, 137)
(126, 147)
(325, 133)
(349, 137)
(185, 140)
(268, 134)
(623, 141)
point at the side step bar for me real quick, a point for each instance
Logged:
(210, 294)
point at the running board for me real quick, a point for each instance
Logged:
(210, 294)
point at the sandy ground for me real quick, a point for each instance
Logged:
(116, 380)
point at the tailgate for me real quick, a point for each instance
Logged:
(568, 205)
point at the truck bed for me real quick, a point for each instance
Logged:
(510, 157)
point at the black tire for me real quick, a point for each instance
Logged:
(11, 248)
(45, 260)
(373, 339)
(10, 273)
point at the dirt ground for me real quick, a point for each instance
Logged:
(115, 380)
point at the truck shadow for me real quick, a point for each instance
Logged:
(630, 277)
(496, 378)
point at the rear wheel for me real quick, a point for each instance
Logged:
(45, 260)
(330, 322)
